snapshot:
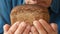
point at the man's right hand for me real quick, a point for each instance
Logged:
(17, 28)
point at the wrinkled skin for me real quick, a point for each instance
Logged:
(40, 27)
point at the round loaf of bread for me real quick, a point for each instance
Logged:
(29, 13)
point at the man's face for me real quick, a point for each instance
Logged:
(44, 3)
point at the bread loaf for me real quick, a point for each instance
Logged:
(29, 13)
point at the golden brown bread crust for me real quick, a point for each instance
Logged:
(29, 13)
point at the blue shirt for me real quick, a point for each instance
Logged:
(7, 5)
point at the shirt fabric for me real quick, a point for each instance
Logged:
(7, 5)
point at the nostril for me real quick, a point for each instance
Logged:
(28, 2)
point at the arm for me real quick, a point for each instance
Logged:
(4, 14)
(5, 8)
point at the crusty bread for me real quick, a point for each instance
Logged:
(29, 13)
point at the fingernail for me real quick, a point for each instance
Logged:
(41, 20)
(6, 25)
(17, 23)
(34, 22)
(23, 24)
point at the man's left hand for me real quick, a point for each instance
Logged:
(42, 27)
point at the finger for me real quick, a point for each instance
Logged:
(47, 27)
(14, 27)
(39, 27)
(27, 30)
(6, 27)
(21, 28)
(54, 26)
(33, 30)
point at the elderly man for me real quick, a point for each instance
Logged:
(45, 28)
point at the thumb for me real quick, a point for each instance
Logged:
(54, 26)
(6, 27)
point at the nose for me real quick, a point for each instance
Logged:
(31, 2)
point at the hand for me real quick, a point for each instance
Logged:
(42, 27)
(44, 3)
(17, 28)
